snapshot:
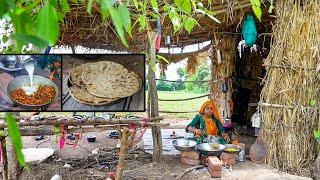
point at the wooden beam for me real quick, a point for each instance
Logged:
(73, 122)
(70, 130)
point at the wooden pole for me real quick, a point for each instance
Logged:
(122, 153)
(13, 166)
(4, 158)
(154, 112)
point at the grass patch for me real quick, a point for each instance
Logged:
(188, 105)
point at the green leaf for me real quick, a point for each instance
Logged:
(4, 8)
(154, 5)
(159, 57)
(53, 2)
(256, 7)
(142, 22)
(189, 23)
(5, 39)
(116, 20)
(60, 17)
(208, 14)
(89, 7)
(136, 4)
(15, 136)
(104, 9)
(313, 102)
(48, 24)
(124, 14)
(64, 6)
(317, 135)
(166, 8)
(32, 5)
(26, 39)
(175, 20)
(184, 5)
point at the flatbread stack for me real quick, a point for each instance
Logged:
(102, 82)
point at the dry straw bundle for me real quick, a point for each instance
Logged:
(226, 45)
(290, 98)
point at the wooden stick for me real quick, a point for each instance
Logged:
(73, 122)
(5, 158)
(188, 170)
(122, 153)
(37, 132)
(153, 119)
(289, 67)
(284, 106)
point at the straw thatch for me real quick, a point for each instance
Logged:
(222, 70)
(292, 85)
(91, 31)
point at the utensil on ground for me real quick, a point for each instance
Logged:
(207, 149)
(91, 138)
(258, 152)
(184, 144)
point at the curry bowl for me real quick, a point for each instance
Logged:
(24, 80)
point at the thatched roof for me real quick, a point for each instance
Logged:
(86, 30)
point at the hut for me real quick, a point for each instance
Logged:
(281, 79)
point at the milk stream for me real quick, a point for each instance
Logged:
(30, 66)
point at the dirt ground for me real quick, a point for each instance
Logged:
(139, 165)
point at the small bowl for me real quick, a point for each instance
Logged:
(232, 146)
(91, 138)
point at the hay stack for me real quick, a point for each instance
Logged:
(292, 82)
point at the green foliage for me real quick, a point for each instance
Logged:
(317, 135)
(48, 24)
(256, 7)
(37, 22)
(202, 74)
(164, 86)
(15, 136)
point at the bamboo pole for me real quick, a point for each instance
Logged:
(122, 153)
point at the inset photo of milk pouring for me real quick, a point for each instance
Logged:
(30, 82)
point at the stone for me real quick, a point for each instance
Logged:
(189, 161)
(37, 155)
(68, 166)
(228, 158)
(214, 163)
(56, 177)
(214, 173)
(190, 154)
(95, 151)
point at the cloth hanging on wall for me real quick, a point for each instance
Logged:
(249, 30)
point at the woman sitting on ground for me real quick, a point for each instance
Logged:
(207, 122)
